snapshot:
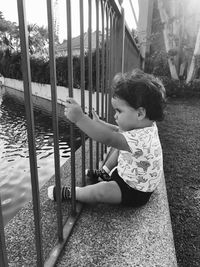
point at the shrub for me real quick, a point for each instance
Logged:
(10, 67)
(176, 88)
(195, 85)
(157, 64)
(172, 87)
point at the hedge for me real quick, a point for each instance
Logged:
(10, 67)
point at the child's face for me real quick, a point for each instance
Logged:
(125, 116)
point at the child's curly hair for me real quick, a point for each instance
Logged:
(140, 89)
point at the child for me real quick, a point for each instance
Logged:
(138, 100)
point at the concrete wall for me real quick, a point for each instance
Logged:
(42, 95)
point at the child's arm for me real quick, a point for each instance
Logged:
(111, 126)
(95, 130)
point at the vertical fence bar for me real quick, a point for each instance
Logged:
(82, 56)
(107, 63)
(115, 68)
(90, 72)
(110, 65)
(70, 84)
(123, 40)
(30, 127)
(55, 116)
(97, 75)
(102, 69)
(3, 254)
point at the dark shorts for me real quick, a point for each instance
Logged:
(130, 197)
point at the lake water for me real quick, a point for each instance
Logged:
(15, 182)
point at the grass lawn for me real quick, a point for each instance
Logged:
(180, 138)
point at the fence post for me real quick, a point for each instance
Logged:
(3, 254)
(82, 57)
(90, 84)
(54, 115)
(97, 75)
(70, 85)
(30, 128)
(120, 37)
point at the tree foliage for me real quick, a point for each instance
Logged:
(9, 34)
(37, 36)
(174, 36)
(38, 40)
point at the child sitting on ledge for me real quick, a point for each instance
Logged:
(138, 101)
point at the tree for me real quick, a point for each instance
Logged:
(175, 38)
(166, 34)
(194, 65)
(38, 38)
(8, 33)
(180, 19)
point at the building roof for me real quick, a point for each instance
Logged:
(62, 48)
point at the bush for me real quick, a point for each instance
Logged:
(172, 87)
(157, 64)
(176, 88)
(10, 67)
(40, 70)
(195, 85)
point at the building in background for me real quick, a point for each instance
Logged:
(61, 49)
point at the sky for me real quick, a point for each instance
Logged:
(36, 13)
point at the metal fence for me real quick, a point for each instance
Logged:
(117, 52)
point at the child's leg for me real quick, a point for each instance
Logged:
(104, 172)
(103, 192)
(111, 161)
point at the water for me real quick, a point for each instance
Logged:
(15, 182)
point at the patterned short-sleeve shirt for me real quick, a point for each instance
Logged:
(142, 167)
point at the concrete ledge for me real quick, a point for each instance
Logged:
(104, 235)
(19, 232)
(116, 236)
